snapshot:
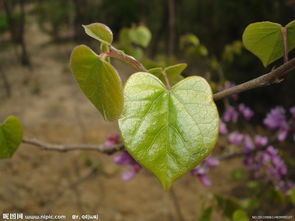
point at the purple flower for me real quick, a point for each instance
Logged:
(204, 180)
(260, 141)
(248, 143)
(211, 162)
(283, 132)
(292, 111)
(123, 158)
(230, 114)
(222, 128)
(228, 85)
(267, 164)
(200, 170)
(128, 175)
(265, 157)
(271, 151)
(275, 118)
(235, 138)
(285, 185)
(246, 112)
(112, 140)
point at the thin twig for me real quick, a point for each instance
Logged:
(236, 154)
(176, 204)
(240, 153)
(114, 52)
(70, 147)
(73, 185)
(274, 76)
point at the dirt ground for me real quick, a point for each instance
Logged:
(53, 109)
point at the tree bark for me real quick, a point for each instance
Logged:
(25, 60)
(171, 36)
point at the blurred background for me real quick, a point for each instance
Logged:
(36, 39)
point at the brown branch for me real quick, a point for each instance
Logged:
(240, 153)
(236, 154)
(71, 147)
(274, 76)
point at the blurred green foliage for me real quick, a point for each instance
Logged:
(53, 16)
(134, 40)
(3, 23)
(217, 24)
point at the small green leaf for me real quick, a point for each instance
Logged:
(206, 214)
(202, 50)
(11, 134)
(157, 72)
(140, 35)
(189, 39)
(99, 81)
(227, 205)
(240, 215)
(168, 131)
(292, 195)
(99, 32)
(264, 39)
(238, 174)
(173, 73)
(291, 35)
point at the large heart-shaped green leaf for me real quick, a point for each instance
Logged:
(99, 32)
(99, 81)
(265, 40)
(11, 134)
(168, 131)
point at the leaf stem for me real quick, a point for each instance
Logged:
(285, 42)
(115, 53)
(166, 80)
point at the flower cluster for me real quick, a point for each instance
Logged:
(269, 166)
(276, 120)
(231, 113)
(125, 159)
(264, 163)
(202, 170)
(112, 140)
